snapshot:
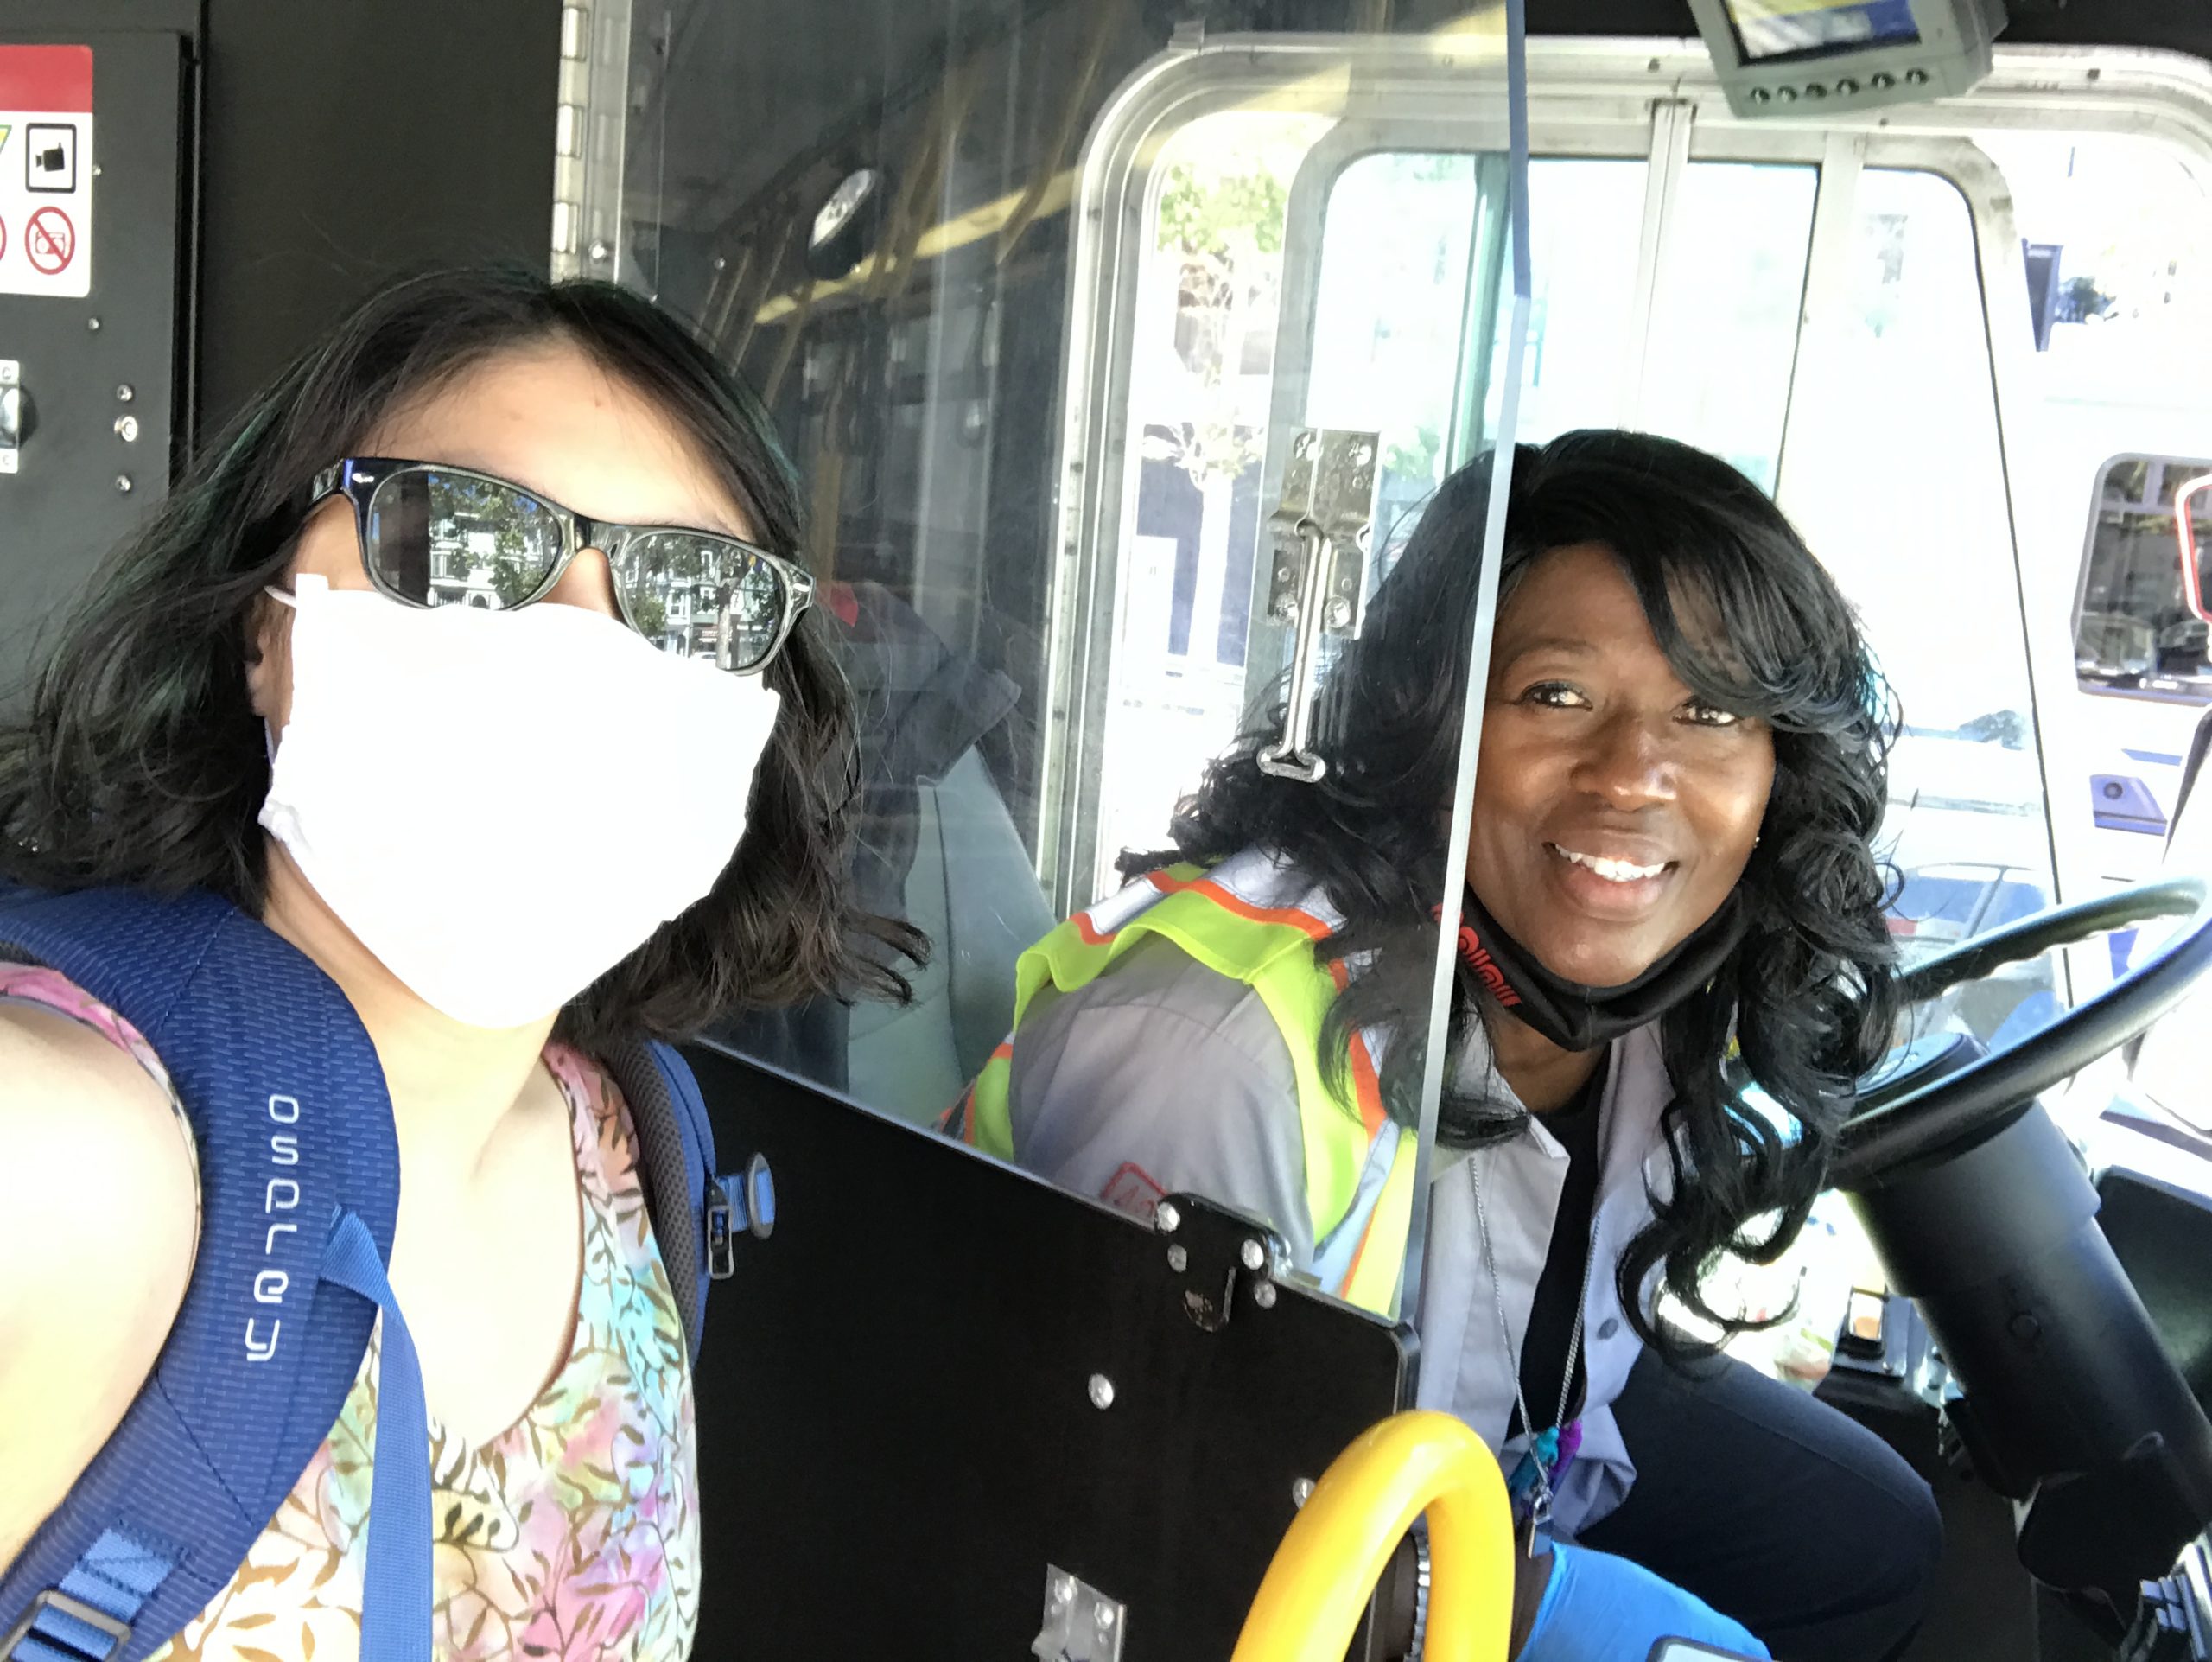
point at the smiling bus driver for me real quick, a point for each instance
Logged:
(1683, 767)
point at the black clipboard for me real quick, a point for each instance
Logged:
(898, 1428)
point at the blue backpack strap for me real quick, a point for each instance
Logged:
(675, 1169)
(299, 1173)
(697, 1211)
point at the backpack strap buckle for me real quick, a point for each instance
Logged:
(736, 1201)
(51, 1631)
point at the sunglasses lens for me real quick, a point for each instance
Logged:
(441, 538)
(702, 597)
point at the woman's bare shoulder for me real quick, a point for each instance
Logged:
(96, 1246)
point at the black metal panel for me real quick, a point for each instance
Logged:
(65, 506)
(351, 140)
(897, 1431)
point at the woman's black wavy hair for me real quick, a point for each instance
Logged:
(1809, 996)
(140, 760)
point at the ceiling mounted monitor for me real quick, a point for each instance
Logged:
(1796, 57)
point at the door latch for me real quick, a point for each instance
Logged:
(15, 414)
(1216, 1251)
(1322, 531)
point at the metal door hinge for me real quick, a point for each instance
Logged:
(1081, 1623)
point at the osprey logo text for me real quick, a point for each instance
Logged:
(280, 1194)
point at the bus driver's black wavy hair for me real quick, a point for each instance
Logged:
(140, 759)
(1810, 995)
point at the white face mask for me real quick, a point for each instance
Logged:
(502, 806)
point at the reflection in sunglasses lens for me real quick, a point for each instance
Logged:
(441, 538)
(701, 597)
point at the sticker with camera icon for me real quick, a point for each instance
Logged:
(46, 170)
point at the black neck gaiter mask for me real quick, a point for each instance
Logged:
(1575, 1017)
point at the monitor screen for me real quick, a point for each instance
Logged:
(1769, 30)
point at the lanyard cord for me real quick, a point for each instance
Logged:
(1505, 1330)
(1541, 1504)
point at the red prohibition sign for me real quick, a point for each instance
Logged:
(3, 239)
(50, 241)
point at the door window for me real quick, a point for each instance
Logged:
(1398, 253)
(1404, 238)
(1390, 350)
(1712, 367)
(1209, 292)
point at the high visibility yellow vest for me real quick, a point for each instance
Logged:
(1359, 1163)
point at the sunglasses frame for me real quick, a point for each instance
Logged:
(357, 479)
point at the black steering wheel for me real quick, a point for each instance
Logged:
(1980, 1096)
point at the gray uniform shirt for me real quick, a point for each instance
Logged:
(1165, 1076)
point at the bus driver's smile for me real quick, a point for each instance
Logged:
(1615, 808)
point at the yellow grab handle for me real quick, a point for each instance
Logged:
(1338, 1545)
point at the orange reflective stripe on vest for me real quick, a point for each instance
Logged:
(1358, 1209)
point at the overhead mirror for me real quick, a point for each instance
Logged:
(844, 228)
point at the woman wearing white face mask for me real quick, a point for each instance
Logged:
(475, 666)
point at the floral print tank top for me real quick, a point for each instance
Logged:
(573, 1533)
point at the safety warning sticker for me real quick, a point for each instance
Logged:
(46, 170)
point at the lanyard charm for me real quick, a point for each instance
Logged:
(1540, 1515)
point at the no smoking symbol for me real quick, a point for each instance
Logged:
(50, 241)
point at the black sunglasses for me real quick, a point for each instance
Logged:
(432, 535)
